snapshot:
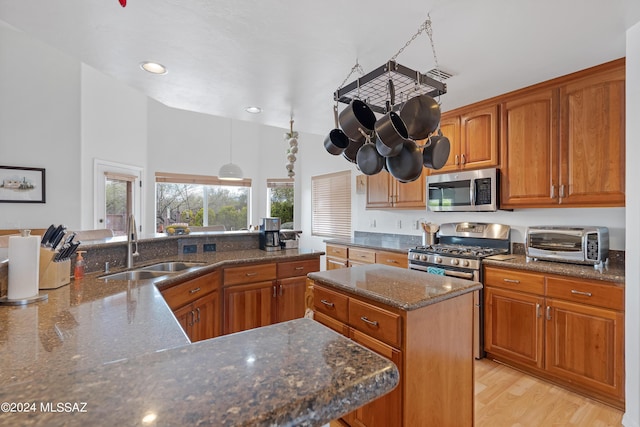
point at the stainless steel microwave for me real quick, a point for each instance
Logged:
(468, 191)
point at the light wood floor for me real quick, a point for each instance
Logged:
(505, 397)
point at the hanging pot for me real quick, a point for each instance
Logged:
(351, 151)
(355, 118)
(406, 166)
(421, 115)
(436, 153)
(390, 128)
(336, 142)
(369, 161)
(385, 151)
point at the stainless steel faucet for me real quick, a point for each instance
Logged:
(132, 239)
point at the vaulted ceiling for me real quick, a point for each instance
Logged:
(288, 57)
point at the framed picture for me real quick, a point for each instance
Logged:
(21, 185)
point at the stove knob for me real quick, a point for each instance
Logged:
(438, 260)
(455, 262)
(416, 256)
(465, 263)
(423, 257)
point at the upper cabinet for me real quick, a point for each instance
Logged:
(384, 191)
(563, 143)
(473, 134)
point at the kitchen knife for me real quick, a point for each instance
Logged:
(74, 247)
(56, 241)
(47, 235)
(54, 235)
(70, 238)
(63, 253)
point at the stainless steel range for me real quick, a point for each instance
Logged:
(459, 253)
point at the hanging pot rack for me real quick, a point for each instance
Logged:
(372, 87)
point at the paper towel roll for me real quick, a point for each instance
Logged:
(24, 266)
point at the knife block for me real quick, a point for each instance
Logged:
(53, 274)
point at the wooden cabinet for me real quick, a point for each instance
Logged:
(336, 256)
(436, 371)
(563, 142)
(394, 259)
(263, 294)
(570, 331)
(384, 191)
(196, 305)
(473, 134)
(358, 256)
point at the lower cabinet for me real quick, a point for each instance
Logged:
(247, 306)
(339, 256)
(570, 331)
(196, 305)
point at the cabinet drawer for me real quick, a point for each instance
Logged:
(515, 280)
(337, 251)
(249, 274)
(298, 268)
(376, 322)
(362, 255)
(586, 292)
(187, 292)
(331, 303)
(331, 323)
(393, 259)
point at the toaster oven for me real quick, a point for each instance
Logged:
(578, 245)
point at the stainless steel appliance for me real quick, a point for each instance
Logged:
(468, 191)
(269, 237)
(459, 253)
(578, 245)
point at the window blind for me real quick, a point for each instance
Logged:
(279, 183)
(331, 205)
(114, 176)
(180, 178)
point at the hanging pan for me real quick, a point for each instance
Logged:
(390, 128)
(421, 115)
(336, 142)
(369, 161)
(406, 166)
(436, 153)
(356, 117)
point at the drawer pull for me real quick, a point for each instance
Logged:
(576, 292)
(548, 312)
(198, 318)
(251, 274)
(299, 268)
(538, 311)
(516, 281)
(370, 322)
(337, 262)
(193, 291)
(392, 261)
(327, 303)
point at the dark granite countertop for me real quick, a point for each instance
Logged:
(612, 273)
(117, 346)
(397, 287)
(296, 373)
(380, 241)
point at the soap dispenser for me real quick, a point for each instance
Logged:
(78, 272)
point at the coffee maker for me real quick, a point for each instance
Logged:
(270, 234)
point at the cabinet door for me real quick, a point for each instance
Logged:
(186, 317)
(386, 410)
(450, 127)
(479, 138)
(379, 190)
(592, 138)
(290, 298)
(529, 150)
(206, 313)
(336, 263)
(248, 306)
(411, 194)
(585, 345)
(514, 326)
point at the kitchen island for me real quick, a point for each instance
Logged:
(422, 322)
(113, 353)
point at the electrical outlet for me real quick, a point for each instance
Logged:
(372, 223)
(416, 225)
(399, 223)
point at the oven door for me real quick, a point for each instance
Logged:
(478, 297)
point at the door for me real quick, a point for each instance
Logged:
(290, 299)
(479, 138)
(450, 127)
(530, 150)
(206, 314)
(248, 306)
(411, 194)
(514, 326)
(379, 190)
(592, 138)
(185, 317)
(585, 345)
(117, 190)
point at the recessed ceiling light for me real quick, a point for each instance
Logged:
(253, 110)
(153, 67)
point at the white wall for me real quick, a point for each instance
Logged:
(40, 127)
(632, 273)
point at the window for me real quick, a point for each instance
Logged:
(331, 205)
(117, 195)
(280, 201)
(200, 200)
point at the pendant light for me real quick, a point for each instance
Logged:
(230, 171)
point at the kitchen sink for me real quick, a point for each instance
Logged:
(134, 275)
(172, 266)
